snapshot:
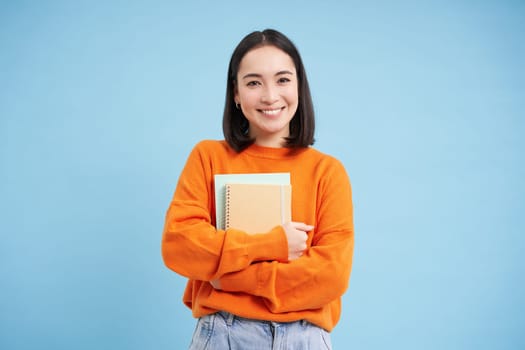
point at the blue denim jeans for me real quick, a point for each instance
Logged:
(223, 331)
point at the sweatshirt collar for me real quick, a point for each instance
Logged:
(273, 153)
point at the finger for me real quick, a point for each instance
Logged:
(304, 227)
(299, 224)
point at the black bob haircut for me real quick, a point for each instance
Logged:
(234, 123)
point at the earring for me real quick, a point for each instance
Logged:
(238, 105)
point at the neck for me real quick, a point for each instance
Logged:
(270, 143)
(270, 140)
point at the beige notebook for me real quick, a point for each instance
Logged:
(253, 178)
(257, 208)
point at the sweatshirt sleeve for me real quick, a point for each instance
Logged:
(193, 247)
(322, 274)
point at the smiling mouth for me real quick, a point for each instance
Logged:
(271, 111)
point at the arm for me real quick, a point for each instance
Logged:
(322, 273)
(192, 247)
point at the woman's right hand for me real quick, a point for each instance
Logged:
(296, 236)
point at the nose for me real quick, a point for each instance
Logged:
(269, 94)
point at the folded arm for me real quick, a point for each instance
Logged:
(193, 247)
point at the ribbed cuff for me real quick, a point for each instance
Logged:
(242, 281)
(268, 246)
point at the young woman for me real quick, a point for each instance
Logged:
(279, 289)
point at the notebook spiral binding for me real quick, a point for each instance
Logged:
(227, 206)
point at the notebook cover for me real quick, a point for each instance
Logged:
(257, 208)
(220, 181)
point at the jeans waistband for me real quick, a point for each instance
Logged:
(229, 318)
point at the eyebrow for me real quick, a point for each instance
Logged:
(255, 75)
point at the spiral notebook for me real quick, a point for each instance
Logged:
(257, 208)
(220, 181)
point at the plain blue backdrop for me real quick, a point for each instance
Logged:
(101, 102)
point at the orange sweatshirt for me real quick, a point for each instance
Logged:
(255, 277)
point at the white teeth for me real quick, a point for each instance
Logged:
(271, 111)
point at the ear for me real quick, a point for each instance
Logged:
(236, 95)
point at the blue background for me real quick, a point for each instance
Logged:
(101, 102)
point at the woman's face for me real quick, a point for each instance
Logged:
(267, 90)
